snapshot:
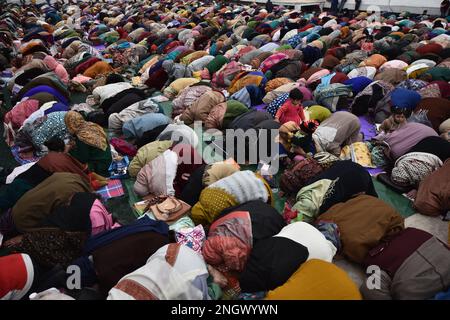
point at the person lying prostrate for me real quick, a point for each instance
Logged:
(204, 176)
(136, 127)
(168, 173)
(437, 110)
(107, 258)
(58, 160)
(43, 129)
(11, 193)
(85, 212)
(310, 237)
(173, 272)
(271, 263)
(233, 234)
(433, 194)
(34, 206)
(238, 188)
(355, 220)
(414, 265)
(318, 113)
(340, 129)
(341, 182)
(90, 144)
(420, 161)
(400, 141)
(433, 145)
(317, 280)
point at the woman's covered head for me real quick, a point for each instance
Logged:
(55, 144)
(74, 121)
(114, 78)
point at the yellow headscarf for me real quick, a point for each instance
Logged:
(345, 31)
(211, 203)
(217, 171)
(317, 280)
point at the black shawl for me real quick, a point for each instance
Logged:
(350, 179)
(434, 145)
(74, 217)
(271, 264)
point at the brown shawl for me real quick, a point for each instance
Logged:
(62, 162)
(35, 205)
(363, 221)
(433, 195)
(438, 110)
(120, 257)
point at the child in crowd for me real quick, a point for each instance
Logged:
(395, 121)
(296, 141)
(292, 109)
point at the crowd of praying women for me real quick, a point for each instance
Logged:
(103, 93)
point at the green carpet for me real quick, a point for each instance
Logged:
(400, 203)
(6, 160)
(77, 97)
(6, 98)
(132, 196)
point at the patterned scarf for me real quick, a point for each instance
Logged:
(413, 167)
(88, 132)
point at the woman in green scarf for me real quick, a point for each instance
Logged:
(90, 144)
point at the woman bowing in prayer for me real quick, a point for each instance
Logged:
(90, 144)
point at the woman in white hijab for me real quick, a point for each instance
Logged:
(174, 272)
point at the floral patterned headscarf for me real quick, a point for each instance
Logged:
(88, 132)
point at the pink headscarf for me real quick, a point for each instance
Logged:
(57, 68)
(101, 219)
(307, 94)
(317, 76)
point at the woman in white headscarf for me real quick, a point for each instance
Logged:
(174, 272)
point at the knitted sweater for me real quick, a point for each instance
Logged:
(244, 185)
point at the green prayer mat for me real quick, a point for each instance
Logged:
(7, 160)
(6, 98)
(128, 185)
(121, 207)
(402, 204)
(166, 106)
(77, 97)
